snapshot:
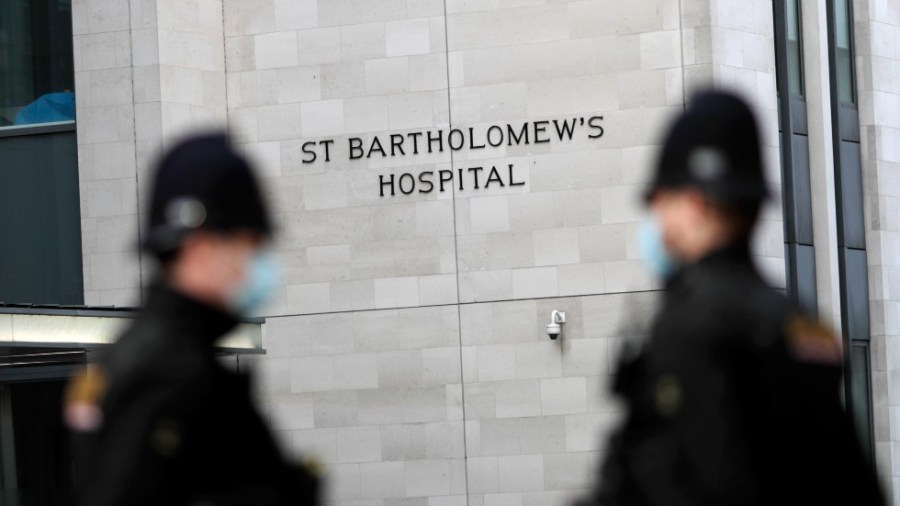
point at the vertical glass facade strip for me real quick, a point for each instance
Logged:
(843, 44)
(37, 76)
(794, 149)
(794, 48)
(860, 396)
(852, 256)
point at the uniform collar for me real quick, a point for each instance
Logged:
(735, 255)
(187, 315)
(737, 251)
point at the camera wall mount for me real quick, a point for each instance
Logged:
(554, 328)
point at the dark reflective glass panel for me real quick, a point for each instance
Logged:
(859, 386)
(794, 48)
(37, 467)
(36, 67)
(844, 60)
(40, 216)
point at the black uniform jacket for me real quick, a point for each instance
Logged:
(178, 428)
(733, 400)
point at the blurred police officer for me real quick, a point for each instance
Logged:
(734, 397)
(160, 420)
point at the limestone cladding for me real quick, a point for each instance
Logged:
(406, 347)
(146, 72)
(103, 52)
(450, 401)
(306, 76)
(877, 28)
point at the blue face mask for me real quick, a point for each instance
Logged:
(653, 252)
(260, 280)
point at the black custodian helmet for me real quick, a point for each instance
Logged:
(714, 146)
(202, 183)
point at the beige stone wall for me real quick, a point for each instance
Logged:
(877, 32)
(564, 232)
(407, 346)
(105, 100)
(730, 44)
(429, 405)
(146, 72)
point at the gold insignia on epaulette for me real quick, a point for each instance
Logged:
(811, 341)
(668, 395)
(313, 466)
(82, 398)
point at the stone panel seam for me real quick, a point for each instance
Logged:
(681, 48)
(137, 186)
(225, 65)
(462, 383)
(460, 304)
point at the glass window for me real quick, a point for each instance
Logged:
(844, 63)
(36, 68)
(859, 385)
(39, 213)
(794, 63)
(39, 469)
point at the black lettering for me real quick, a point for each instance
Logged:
(439, 139)
(461, 179)
(388, 183)
(512, 181)
(412, 183)
(523, 133)
(494, 176)
(445, 176)
(593, 123)
(475, 171)
(427, 181)
(472, 144)
(376, 146)
(566, 130)
(415, 138)
(355, 147)
(327, 144)
(397, 144)
(495, 128)
(462, 139)
(540, 127)
(308, 152)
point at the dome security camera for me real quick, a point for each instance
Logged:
(554, 329)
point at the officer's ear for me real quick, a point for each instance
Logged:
(252, 238)
(185, 240)
(198, 246)
(740, 220)
(165, 259)
(704, 207)
(695, 204)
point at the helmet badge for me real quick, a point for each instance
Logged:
(185, 212)
(707, 164)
